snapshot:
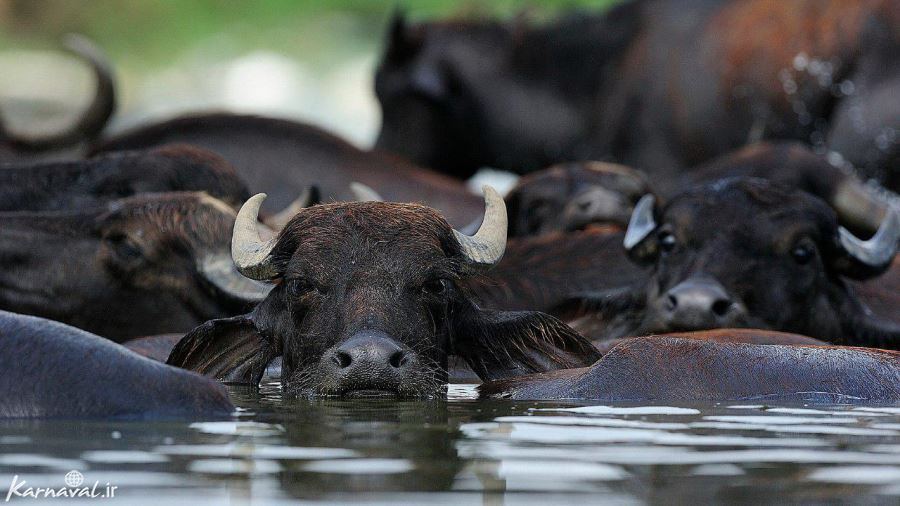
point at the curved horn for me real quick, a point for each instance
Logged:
(486, 247)
(221, 273)
(363, 193)
(249, 252)
(96, 115)
(881, 248)
(859, 206)
(641, 223)
(309, 197)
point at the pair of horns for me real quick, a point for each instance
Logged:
(253, 256)
(876, 252)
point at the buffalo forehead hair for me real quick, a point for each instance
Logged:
(395, 223)
(766, 198)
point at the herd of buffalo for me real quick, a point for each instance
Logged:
(707, 211)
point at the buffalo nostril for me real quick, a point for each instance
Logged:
(398, 359)
(671, 303)
(721, 306)
(342, 359)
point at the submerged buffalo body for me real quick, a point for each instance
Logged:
(655, 85)
(51, 370)
(150, 264)
(284, 158)
(746, 253)
(368, 301)
(665, 369)
(80, 184)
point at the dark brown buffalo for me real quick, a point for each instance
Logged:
(150, 264)
(666, 369)
(81, 184)
(15, 147)
(653, 84)
(367, 301)
(284, 158)
(538, 273)
(573, 196)
(748, 336)
(51, 370)
(745, 253)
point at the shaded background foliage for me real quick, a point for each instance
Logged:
(301, 59)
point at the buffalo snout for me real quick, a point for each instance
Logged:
(699, 303)
(369, 363)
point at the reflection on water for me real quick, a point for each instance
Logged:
(467, 451)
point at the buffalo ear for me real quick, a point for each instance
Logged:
(402, 43)
(230, 350)
(503, 344)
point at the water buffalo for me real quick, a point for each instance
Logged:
(367, 301)
(151, 264)
(749, 336)
(745, 252)
(665, 369)
(283, 158)
(80, 184)
(653, 84)
(14, 147)
(538, 273)
(574, 196)
(51, 370)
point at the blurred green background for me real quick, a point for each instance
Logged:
(302, 59)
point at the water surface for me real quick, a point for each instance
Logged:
(470, 452)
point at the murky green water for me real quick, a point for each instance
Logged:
(471, 452)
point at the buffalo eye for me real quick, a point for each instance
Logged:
(124, 247)
(666, 241)
(298, 288)
(435, 287)
(803, 253)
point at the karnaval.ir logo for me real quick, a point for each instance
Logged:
(73, 480)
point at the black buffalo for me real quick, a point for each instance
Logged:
(15, 147)
(82, 184)
(653, 84)
(368, 301)
(51, 370)
(283, 158)
(151, 264)
(746, 252)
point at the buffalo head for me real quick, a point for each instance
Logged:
(574, 196)
(746, 252)
(367, 300)
(151, 264)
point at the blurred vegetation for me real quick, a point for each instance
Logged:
(310, 60)
(150, 31)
